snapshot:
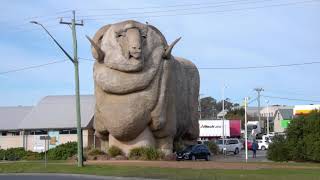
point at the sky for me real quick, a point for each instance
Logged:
(215, 34)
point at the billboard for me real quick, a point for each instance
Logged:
(305, 109)
(54, 139)
(213, 128)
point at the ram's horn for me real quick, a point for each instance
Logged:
(99, 55)
(167, 53)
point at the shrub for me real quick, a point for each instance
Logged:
(213, 147)
(14, 154)
(278, 149)
(2, 154)
(178, 146)
(114, 151)
(146, 153)
(95, 152)
(33, 156)
(63, 151)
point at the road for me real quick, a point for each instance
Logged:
(61, 177)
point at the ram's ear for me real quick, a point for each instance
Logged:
(95, 42)
(167, 53)
(97, 53)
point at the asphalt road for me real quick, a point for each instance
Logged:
(61, 177)
(230, 157)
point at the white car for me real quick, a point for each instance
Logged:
(230, 145)
(263, 145)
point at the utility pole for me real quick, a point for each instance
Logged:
(75, 62)
(258, 99)
(77, 89)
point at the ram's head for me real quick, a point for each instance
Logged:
(126, 46)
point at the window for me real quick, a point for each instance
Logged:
(39, 132)
(4, 133)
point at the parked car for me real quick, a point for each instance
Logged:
(263, 145)
(231, 145)
(194, 152)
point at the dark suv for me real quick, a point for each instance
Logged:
(194, 152)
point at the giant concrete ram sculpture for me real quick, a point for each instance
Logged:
(144, 95)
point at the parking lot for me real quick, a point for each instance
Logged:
(230, 157)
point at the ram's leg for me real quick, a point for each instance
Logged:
(144, 139)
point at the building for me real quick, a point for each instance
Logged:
(282, 118)
(10, 118)
(54, 116)
(271, 110)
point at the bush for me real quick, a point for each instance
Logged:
(213, 147)
(2, 154)
(95, 152)
(14, 154)
(114, 151)
(146, 153)
(63, 151)
(278, 150)
(178, 146)
(33, 156)
(302, 141)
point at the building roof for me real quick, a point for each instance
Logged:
(286, 113)
(58, 112)
(11, 117)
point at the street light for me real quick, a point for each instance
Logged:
(75, 62)
(223, 128)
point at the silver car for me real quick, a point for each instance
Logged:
(230, 145)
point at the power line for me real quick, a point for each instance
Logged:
(213, 12)
(205, 6)
(31, 67)
(277, 91)
(239, 68)
(217, 68)
(157, 7)
(290, 99)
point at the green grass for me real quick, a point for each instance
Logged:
(165, 173)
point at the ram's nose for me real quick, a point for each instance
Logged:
(135, 54)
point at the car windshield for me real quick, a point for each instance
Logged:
(220, 141)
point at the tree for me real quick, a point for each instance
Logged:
(208, 107)
(302, 141)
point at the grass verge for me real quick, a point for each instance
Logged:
(163, 173)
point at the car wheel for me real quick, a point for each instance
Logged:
(263, 148)
(193, 158)
(236, 151)
(208, 157)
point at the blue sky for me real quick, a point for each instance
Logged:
(216, 33)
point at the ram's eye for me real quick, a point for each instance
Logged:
(119, 35)
(144, 36)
